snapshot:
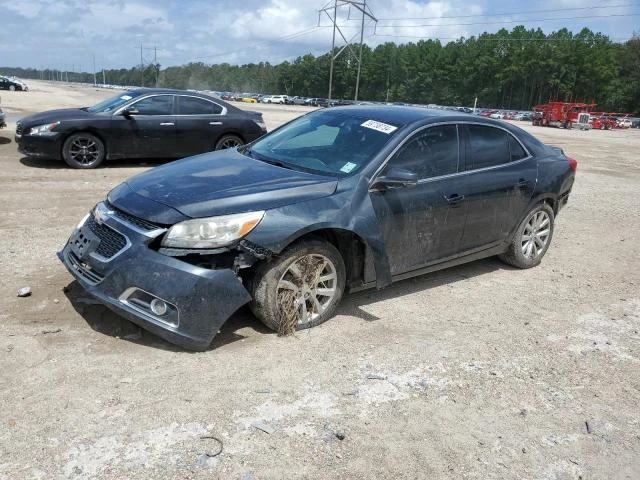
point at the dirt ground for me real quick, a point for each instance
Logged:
(476, 372)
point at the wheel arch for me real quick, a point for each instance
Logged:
(92, 131)
(351, 246)
(234, 132)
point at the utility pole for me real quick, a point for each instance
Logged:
(141, 68)
(333, 16)
(155, 62)
(364, 9)
(94, 69)
(333, 46)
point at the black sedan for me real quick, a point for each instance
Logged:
(337, 200)
(12, 84)
(141, 123)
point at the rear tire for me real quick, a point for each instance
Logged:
(83, 150)
(531, 239)
(12, 88)
(298, 289)
(229, 141)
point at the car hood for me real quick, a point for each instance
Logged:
(55, 116)
(224, 182)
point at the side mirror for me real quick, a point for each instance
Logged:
(128, 112)
(396, 178)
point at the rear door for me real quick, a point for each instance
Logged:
(500, 181)
(200, 122)
(423, 224)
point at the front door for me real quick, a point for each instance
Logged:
(423, 224)
(150, 130)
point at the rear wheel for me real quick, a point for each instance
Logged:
(12, 88)
(83, 150)
(229, 141)
(532, 238)
(300, 288)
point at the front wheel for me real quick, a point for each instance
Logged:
(532, 238)
(83, 150)
(300, 288)
(12, 88)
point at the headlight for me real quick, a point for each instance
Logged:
(43, 129)
(212, 232)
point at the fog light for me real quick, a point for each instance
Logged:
(158, 307)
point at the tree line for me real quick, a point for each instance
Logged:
(508, 69)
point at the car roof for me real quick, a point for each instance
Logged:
(146, 90)
(415, 116)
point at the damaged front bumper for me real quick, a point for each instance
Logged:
(109, 256)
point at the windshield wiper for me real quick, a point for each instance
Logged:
(250, 153)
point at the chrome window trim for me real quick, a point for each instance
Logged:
(508, 133)
(135, 100)
(458, 123)
(223, 112)
(407, 139)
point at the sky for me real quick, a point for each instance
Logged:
(74, 35)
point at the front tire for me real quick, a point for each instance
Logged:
(83, 150)
(300, 288)
(12, 88)
(531, 239)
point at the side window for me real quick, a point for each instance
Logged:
(516, 150)
(489, 146)
(197, 106)
(156, 105)
(430, 153)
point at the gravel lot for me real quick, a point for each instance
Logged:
(479, 371)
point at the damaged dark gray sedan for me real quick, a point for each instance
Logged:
(337, 200)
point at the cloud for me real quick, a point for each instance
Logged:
(70, 32)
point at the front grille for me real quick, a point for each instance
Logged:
(18, 128)
(86, 273)
(111, 242)
(138, 222)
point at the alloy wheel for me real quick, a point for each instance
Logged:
(306, 289)
(535, 235)
(230, 143)
(84, 150)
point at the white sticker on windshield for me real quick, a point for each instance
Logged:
(126, 97)
(379, 126)
(347, 167)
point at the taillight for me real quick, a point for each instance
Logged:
(573, 164)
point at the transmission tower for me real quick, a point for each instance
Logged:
(331, 10)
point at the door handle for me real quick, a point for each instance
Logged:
(454, 199)
(215, 123)
(167, 124)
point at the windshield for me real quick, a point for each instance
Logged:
(110, 104)
(338, 142)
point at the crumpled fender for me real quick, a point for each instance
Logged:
(349, 208)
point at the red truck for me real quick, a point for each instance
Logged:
(563, 114)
